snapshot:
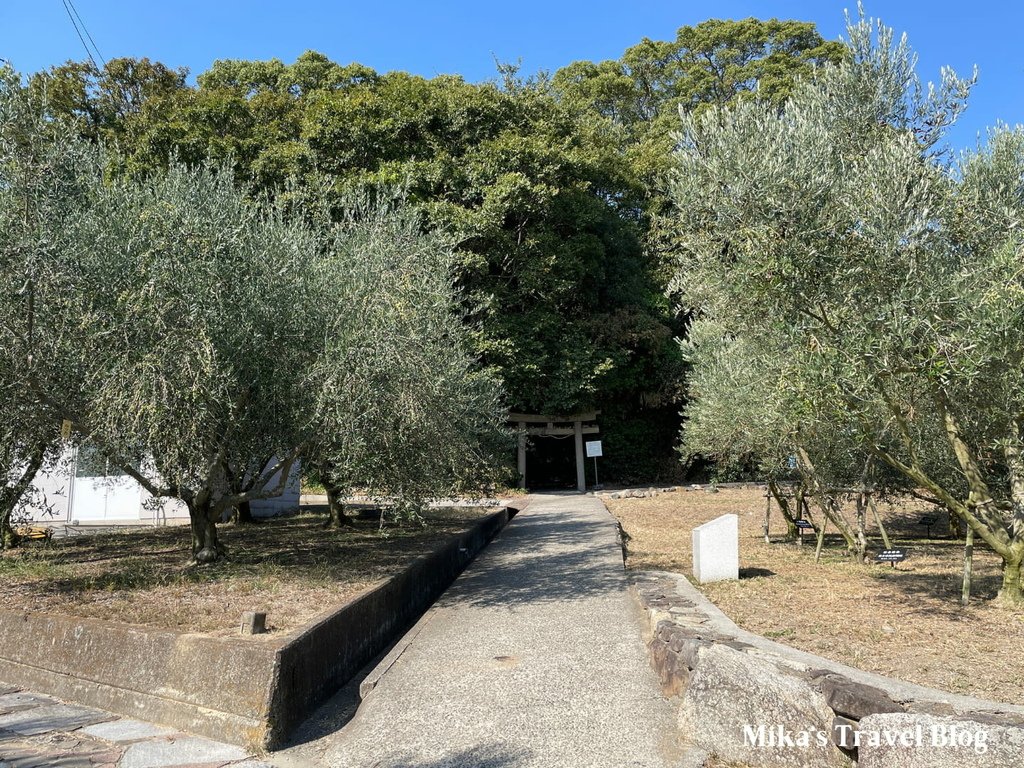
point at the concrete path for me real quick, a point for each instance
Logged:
(39, 731)
(532, 658)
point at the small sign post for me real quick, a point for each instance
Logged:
(65, 430)
(801, 526)
(892, 556)
(593, 451)
(928, 521)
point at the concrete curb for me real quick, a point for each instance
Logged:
(320, 659)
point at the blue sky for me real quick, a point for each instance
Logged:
(464, 37)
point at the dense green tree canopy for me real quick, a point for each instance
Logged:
(710, 64)
(545, 182)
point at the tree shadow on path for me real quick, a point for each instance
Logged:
(549, 557)
(481, 756)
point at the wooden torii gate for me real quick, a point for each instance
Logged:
(577, 424)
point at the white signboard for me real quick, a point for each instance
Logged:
(593, 448)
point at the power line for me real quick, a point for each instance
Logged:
(86, 29)
(80, 28)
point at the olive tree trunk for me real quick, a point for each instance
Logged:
(783, 502)
(206, 547)
(965, 592)
(1012, 591)
(828, 506)
(336, 506)
(243, 513)
(12, 494)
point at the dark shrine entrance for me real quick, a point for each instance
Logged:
(551, 449)
(550, 462)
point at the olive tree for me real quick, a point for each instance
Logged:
(747, 408)
(401, 410)
(890, 278)
(203, 342)
(40, 182)
(178, 306)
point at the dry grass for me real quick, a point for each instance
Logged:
(905, 622)
(292, 568)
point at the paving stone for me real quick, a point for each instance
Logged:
(20, 754)
(65, 761)
(59, 750)
(10, 702)
(54, 717)
(179, 752)
(9, 720)
(123, 731)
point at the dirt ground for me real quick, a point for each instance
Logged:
(904, 622)
(291, 567)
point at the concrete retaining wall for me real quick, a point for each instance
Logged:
(211, 686)
(725, 678)
(252, 692)
(317, 661)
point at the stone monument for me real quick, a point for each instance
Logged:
(716, 550)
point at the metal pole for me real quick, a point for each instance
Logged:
(71, 485)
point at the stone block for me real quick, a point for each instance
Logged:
(666, 663)
(744, 710)
(716, 550)
(179, 752)
(842, 733)
(855, 700)
(52, 717)
(124, 731)
(11, 702)
(937, 708)
(907, 740)
(253, 623)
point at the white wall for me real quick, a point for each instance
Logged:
(67, 496)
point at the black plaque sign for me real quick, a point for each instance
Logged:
(804, 525)
(892, 556)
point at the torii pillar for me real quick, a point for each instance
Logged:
(581, 475)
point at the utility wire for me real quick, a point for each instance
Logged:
(80, 28)
(95, 47)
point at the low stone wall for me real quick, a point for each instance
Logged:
(252, 692)
(650, 492)
(754, 702)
